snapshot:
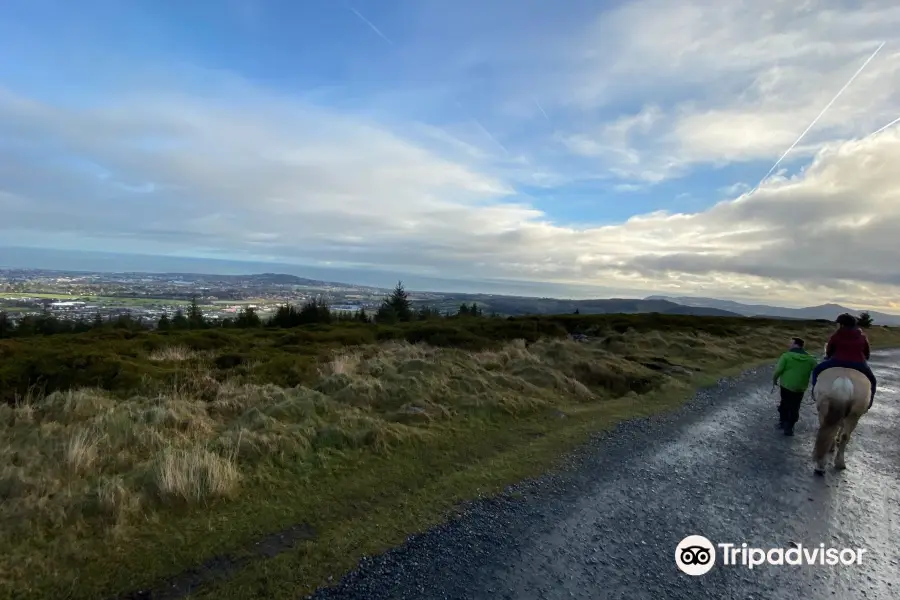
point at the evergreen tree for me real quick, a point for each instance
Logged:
(26, 326)
(7, 327)
(195, 315)
(427, 312)
(164, 324)
(314, 312)
(399, 301)
(247, 318)
(124, 321)
(285, 317)
(98, 321)
(386, 314)
(397, 307)
(864, 320)
(80, 326)
(179, 321)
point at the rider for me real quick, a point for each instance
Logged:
(793, 369)
(848, 347)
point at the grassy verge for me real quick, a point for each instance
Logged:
(105, 492)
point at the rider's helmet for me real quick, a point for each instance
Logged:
(846, 320)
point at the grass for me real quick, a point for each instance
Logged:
(106, 300)
(109, 490)
(177, 353)
(44, 295)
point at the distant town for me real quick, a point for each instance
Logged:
(147, 296)
(73, 295)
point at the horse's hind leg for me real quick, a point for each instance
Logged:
(849, 425)
(824, 441)
(828, 427)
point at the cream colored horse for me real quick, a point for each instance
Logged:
(842, 397)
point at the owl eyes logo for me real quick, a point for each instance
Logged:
(695, 555)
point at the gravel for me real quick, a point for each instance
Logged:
(606, 524)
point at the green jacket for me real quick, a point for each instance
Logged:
(794, 368)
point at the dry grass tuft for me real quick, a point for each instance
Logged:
(173, 354)
(193, 476)
(80, 452)
(342, 364)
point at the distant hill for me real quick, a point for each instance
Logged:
(519, 305)
(284, 279)
(824, 311)
(256, 278)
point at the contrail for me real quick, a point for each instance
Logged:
(824, 110)
(481, 127)
(488, 133)
(370, 24)
(541, 108)
(891, 124)
(458, 103)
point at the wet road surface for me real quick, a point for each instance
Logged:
(608, 523)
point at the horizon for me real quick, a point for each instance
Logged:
(614, 146)
(383, 281)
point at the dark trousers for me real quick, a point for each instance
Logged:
(861, 367)
(789, 407)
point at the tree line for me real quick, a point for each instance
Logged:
(396, 308)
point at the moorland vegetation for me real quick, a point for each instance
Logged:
(129, 455)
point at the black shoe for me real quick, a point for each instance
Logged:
(789, 431)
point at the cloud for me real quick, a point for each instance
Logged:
(741, 80)
(205, 163)
(300, 182)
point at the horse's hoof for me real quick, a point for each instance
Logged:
(819, 472)
(840, 467)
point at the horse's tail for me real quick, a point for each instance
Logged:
(840, 396)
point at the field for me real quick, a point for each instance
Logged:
(106, 300)
(18, 296)
(130, 457)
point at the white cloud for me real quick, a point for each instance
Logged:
(304, 183)
(273, 176)
(729, 81)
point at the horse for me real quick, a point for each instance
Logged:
(842, 397)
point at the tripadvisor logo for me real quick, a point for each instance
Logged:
(696, 555)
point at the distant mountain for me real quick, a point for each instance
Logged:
(256, 278)
(825, 311)
(519, 305)
(285, 279)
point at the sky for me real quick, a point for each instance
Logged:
(575, 144)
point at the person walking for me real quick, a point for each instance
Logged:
(793, 370)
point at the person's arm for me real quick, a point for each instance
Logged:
(779, 369)
(866, 349)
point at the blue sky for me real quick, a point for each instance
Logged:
(578, 143)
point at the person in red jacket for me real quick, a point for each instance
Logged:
(848, 347)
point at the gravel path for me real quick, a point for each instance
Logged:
(607, 525)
